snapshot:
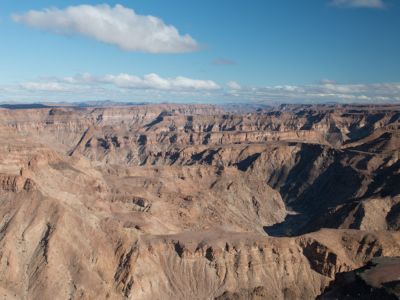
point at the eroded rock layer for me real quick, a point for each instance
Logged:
(194, 201)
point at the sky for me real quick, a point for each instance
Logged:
(207, 51)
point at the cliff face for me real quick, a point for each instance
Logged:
(379, 279)
(192, 202)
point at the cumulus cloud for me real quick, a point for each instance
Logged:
(124, 81)
(156, 82)
(116, 25)
(323, 92)
(233, 85)
(359, 3)
(45, 86)
(153, 87)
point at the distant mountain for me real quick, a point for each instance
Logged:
(104, 103)
(24, 106)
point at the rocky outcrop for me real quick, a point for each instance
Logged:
(379, 279)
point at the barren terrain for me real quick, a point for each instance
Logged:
(195, 201)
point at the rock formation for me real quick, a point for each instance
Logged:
(195, 201)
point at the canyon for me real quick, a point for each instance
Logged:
(170, 201)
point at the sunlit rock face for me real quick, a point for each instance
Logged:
(195, 201)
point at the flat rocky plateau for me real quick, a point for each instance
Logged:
(200, 202)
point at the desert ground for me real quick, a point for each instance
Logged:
(199, 201)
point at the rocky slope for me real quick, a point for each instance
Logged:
(379, 279)
(194, 202)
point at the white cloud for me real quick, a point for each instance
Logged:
(359, 3)
(154, 88)
(233, 85)
(156, 82)
(329, 91)
(45, 86)
(116, 25)
(123, 81)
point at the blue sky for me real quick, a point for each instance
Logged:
(225, 50)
